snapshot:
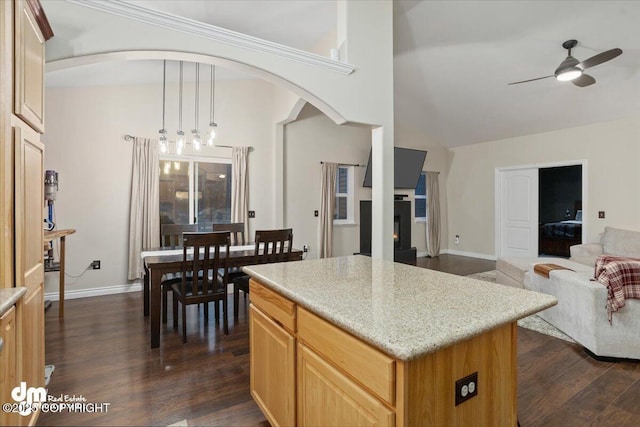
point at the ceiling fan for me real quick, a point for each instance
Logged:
(573, 70)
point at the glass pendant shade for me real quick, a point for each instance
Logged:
(180, 143)
(163, 140)
(196, 141)
(212, 134)
(163, 144)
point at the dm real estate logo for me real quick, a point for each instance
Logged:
(28, 399)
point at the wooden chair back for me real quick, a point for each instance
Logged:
(273, 245)
(237, 232)
(171, 234)
(201, 270)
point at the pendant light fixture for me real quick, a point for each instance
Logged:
(163, 131)
(197, 143)
(212, 124)
(180, 140)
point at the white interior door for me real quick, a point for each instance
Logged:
(519, 213)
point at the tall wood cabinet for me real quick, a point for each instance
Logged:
(7, 365)
(24, 31)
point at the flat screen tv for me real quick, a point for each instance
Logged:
(407, 166)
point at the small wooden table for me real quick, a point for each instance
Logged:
(60, 234)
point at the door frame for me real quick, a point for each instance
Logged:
(498, 195)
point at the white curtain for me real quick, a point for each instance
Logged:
(433, 214)
(327, 207)
(240, 187)
(144, 218)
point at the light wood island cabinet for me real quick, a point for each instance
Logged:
(348, 375)
(271, 335)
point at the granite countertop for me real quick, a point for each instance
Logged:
(403, 310)
(8, 297)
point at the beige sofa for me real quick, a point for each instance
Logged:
(581, 311)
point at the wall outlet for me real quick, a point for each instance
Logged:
(252, 214)
(95, 265)
(457, 239)
(315, 213)
(466, 388)
(305, 248)
(600, 214)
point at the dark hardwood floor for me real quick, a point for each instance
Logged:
(101, 351)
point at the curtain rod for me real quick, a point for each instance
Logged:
(130, 138)
(230, 146)
(347, 164)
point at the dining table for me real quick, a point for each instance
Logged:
(160, 261)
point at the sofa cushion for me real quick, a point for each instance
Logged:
(618, 242)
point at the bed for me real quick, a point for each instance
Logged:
(555, 238)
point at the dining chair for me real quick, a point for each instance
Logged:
(237, 232)
(171, 237)
(237, 238)
(171, 234)
(201, 281)
(271, 246)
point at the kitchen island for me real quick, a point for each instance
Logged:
(359, 341)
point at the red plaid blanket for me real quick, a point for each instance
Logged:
(621, 276)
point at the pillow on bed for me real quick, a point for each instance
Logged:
(579, 215)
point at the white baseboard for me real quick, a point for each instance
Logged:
(421, 254)
(105, 290)
(95, 292)
(469, 254)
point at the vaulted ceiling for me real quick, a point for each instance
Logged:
(453, 59)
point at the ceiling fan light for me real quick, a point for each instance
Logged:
(569, 74)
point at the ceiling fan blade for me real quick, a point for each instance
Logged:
(600, 58)
(530, 80)
(583, 80)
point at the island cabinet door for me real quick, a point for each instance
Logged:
(326, 397)
(272, 365)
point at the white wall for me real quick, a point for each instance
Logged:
(308, 141)
(84, 143)
(612, 152)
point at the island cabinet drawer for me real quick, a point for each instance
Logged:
(373, 369)
(274, 305)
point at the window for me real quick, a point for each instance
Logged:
(195, 191)
(343, 213)
(421, 198)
